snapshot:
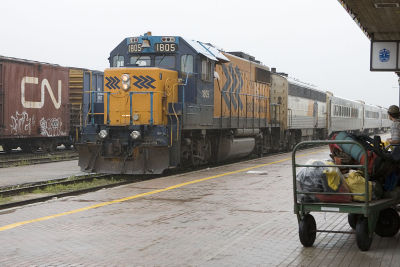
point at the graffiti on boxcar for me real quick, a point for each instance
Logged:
(45, 84)
(21, 123)
(51, 127)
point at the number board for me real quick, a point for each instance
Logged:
(158, 47)
(135, 48)
(165, 47)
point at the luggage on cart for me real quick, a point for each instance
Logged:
(356, 183)
(326, 179)
(366, 217)
(381, 163)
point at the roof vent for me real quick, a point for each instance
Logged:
(386, 5)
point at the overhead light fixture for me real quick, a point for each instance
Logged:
(386, 5)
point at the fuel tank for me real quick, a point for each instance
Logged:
(233, 148)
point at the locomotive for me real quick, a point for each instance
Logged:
(171, 102)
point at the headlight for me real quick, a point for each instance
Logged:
(126, 81)
(103, 134)
(125, 77)
(135, 135)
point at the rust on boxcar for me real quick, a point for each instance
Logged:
(35, 99)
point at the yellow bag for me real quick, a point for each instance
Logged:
(356, 182)
(387, 145)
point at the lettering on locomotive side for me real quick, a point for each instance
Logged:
(205, 93)
(45, 84)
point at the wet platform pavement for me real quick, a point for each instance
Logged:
(236, 215)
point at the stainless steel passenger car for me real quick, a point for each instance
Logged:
(344, 114)
(372, 119)
(385, 122)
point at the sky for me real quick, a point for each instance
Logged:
(312, 40)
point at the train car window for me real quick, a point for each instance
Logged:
(206, 70)
(165, 61)
(307, 92)
(187, 64)
(118, 61)
(141, 61)
(263, 76)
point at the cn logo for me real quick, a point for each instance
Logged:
(45, 84)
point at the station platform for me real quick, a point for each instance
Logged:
(234, 215)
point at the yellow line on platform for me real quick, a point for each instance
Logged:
(13, 225)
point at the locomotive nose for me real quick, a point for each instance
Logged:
(138, 96)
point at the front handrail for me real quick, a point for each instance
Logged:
(327, 142)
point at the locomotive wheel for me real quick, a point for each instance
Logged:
(307, 230)
(362, 235)
(388, 223)
(352, 219)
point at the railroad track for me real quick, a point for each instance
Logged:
(20, 159)
(24, 194)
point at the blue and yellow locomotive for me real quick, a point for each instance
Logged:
(170, 102)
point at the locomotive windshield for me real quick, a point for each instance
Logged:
(165, 61)
(162, 61)
(141, 61)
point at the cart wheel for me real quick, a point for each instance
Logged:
(352, 219)
(388, 223)
(307, 230)
(362, 236)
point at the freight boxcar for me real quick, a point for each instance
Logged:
(33, 104)
(41, 104)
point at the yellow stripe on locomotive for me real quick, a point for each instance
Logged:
(139, 96)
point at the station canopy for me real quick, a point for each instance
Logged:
(379, 19)
(380, 22)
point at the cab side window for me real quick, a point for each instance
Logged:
(206, 70)
(186, 64)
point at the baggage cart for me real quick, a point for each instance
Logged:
(379, 216)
